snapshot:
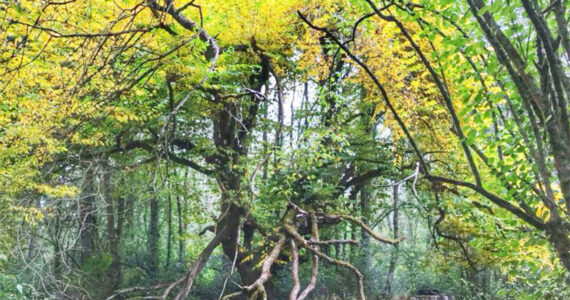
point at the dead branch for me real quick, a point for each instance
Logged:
(171, 286)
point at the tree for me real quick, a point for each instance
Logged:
(539, 112)
(134, 105)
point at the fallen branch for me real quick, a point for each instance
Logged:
(188, 279)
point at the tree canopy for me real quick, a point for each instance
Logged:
(264, 149)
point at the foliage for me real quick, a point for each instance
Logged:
(207, 144)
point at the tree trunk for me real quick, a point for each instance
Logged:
(58, 255)
(265, 141)
(113, 234)
(231, 140)
(394, 257)
(230, 244)
(33, 236)
(559, 239)
(87, 218)
(153, 236)
(169, 232)
(352, 247)
(365, 210)
(181, 243)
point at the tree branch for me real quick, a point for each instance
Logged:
(494, 198)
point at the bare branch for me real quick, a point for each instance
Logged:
(367, 229)
(304, 243)
(199, 264)
(294, 271)
(266, 266)
(315, 268)
(334, 242)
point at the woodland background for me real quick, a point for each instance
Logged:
(293, 149)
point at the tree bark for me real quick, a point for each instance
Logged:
(559, 239)
(33, 236)
(115, 271)
(394, 256)
(153, 236)
(58, 254)
(169, 231)
(181, 243)
(87, 218)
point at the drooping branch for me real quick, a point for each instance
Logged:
(266, 266)
(257, 287)
(334, 242)
(537, 156)
(315, 268)
(332, 219)
(533, 220)
(366, 228)
(294, 271)
(304, 243)
(198, 265)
